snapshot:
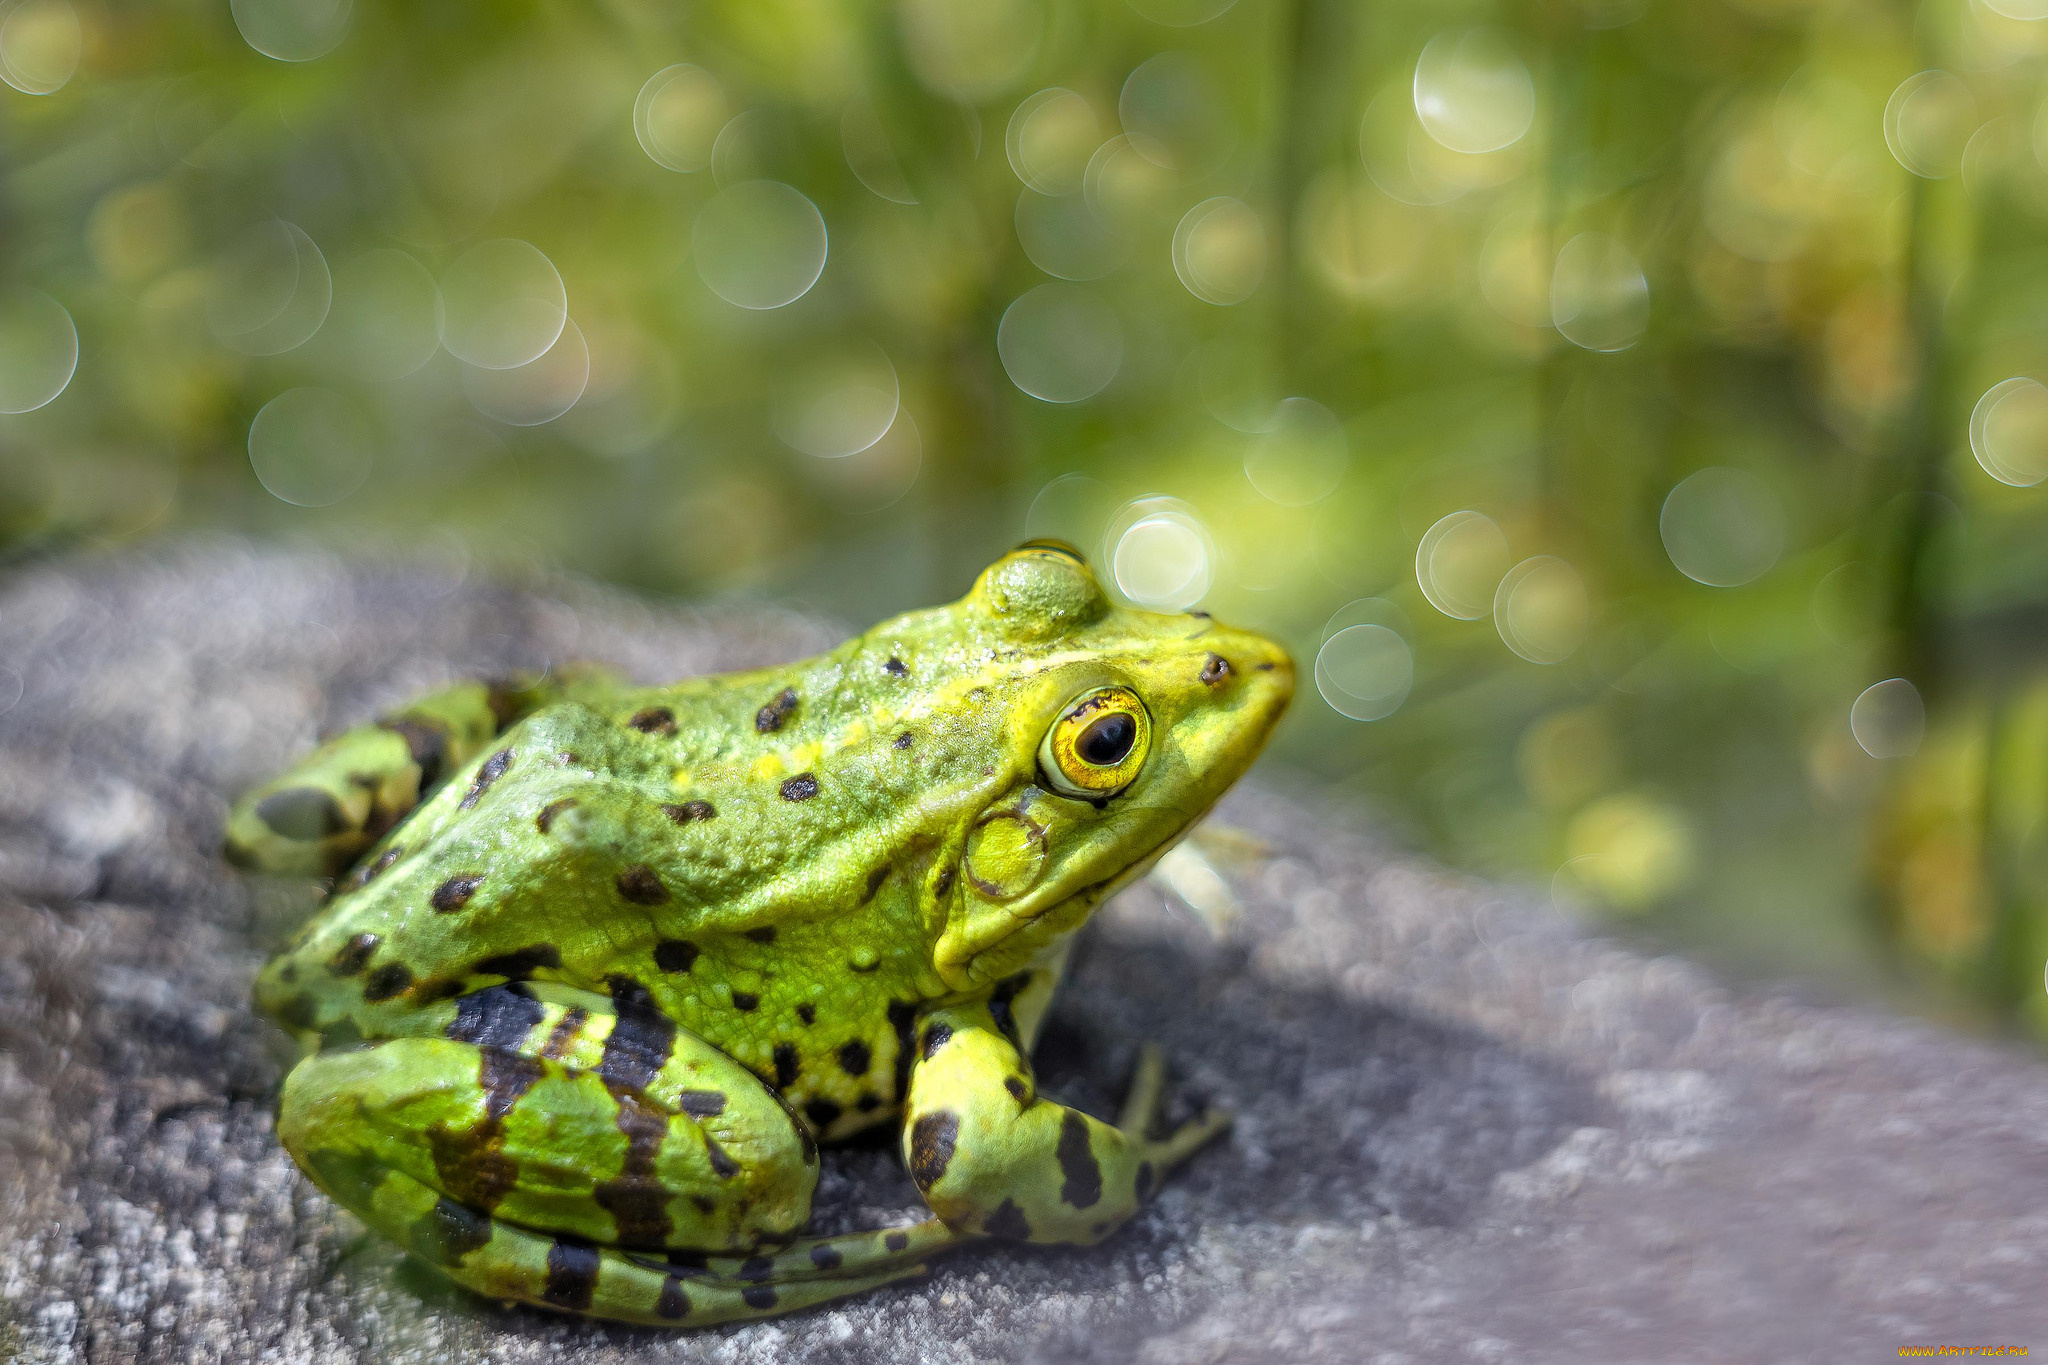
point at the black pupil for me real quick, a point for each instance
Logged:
(1107, 740)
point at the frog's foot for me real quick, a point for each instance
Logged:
(1141, 1112)
(993, 1156)
(503, 1261)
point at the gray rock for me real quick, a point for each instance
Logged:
(1468, 1129)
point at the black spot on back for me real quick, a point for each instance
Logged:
(822, 1112)
(722, 1166)
(387, 981)
(895, 666)
(639, 1044)
(770, 718)
(896, 1241)
(642, 885)
(825, 1257)
(936, 1035)
(521, 963)
(688, 811)
(675, 954)
(701, 1104)
(504, 1076)
(901, 741)
(655, 720)
(1007, 1222)
(1083, 1183)
(744, 1000)
(764, 934)
(787, 1064)
(303, 813)
(572, 1274)
(636, 1198)
(493, 768)
(760, 1296)
(802, 787)
(854, 1057)
(807, 1012)
(353, 955)
(931, 1146)
(454, 893)
(498, 1016)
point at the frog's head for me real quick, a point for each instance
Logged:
(1111, 732)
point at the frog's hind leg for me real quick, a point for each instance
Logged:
(319, 817)
(538, 1170)
(503, 1261)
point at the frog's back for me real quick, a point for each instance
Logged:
(746, 852)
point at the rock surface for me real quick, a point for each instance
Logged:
(1468, 1130)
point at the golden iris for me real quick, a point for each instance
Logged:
(1096, 747)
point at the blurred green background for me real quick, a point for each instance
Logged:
(1632, 409)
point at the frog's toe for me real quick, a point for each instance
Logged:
(1148, 1083)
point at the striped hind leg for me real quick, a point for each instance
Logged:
(525, 1178)
(507, 1262)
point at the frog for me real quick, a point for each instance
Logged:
(602, 964)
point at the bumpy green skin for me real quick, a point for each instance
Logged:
(576, 1020)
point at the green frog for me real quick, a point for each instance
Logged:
(604, 963)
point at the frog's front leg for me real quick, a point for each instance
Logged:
(992, 1156)
(561, 1157)
(321, 815)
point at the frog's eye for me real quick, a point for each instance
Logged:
(1097, 745)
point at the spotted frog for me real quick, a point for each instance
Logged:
(604, 963)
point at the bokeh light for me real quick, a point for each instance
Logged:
(971, 52)
(504, 304)
(1630, 850)
(1161, 555)
(40, 45)
(540, 390)
(272, 291)
(1459, 563)
(1365, 671)
(1063, 237)
(386, 319)
(2009, 432)
(839, 403)
(1060, 343)
(292, 30)
(1473, 93)
(311, 447)
(1300, 454)
(1599, 298)
(1889, 719)
(1175, 116)
(879, 475)
(1722, 527)
(38, 350)
(1219, 250)
(1541, 610)
(678, 115)
(760, 244)
(1929, 121)
(1050, 139)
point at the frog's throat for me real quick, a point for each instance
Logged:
(982, 946)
